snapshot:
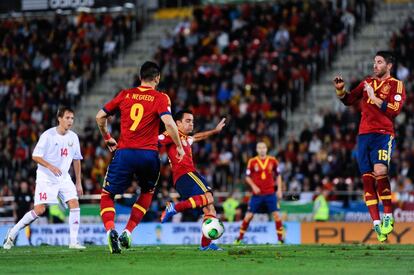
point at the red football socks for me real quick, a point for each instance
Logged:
(279, 230)
(107, 210)
(370, 195)
(243, 229)
(384, 191)
(198, 201)
(138, 210)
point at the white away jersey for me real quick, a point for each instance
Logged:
(59, 150)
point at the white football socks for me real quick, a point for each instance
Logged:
(74, 221)
(27, 219)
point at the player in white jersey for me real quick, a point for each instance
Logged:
(54, 152)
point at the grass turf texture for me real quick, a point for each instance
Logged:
(252, 259)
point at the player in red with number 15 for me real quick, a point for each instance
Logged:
(141, 110)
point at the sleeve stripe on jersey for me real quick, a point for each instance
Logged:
(106, 111)
(165, 113)
(394, 106)
(399, 87)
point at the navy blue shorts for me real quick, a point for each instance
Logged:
(191, 184)
(372, 149)
(144, 164)
(258, 201)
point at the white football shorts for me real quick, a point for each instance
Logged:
(47, 192)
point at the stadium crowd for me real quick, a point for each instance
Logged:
(248, 63)
(44, 63)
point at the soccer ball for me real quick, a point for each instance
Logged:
(212, 228)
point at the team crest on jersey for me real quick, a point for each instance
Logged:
(256, 167)
(70, 144)
(386, 89)
(270, 167)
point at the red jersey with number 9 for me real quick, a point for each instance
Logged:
(141, 109)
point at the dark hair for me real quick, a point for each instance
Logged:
(180, 114)
(62, 109)
(387, 55)
(149, 71)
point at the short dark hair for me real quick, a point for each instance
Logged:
(62, 109)
(149, 71)
(180, 114)
(387, 55)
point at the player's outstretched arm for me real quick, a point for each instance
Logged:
(102, 121)
(172, 130)
(206, 134)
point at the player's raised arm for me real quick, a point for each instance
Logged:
(206, 134)
(348, 98)
(339, 84)
(172, 130)
(102, 121)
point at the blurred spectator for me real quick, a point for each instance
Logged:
(72, 89)
(230, 206)
(402, 72)
(320, 205)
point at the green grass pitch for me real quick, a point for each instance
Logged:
(251, 259)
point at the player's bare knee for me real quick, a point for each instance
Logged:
(380, 170)
(276, 216)
(39, 209)
(249, 216)
(73, 204)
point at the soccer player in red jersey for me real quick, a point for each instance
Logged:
(192, 187)
(381, 98)
(261, 175)
(136, 153)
